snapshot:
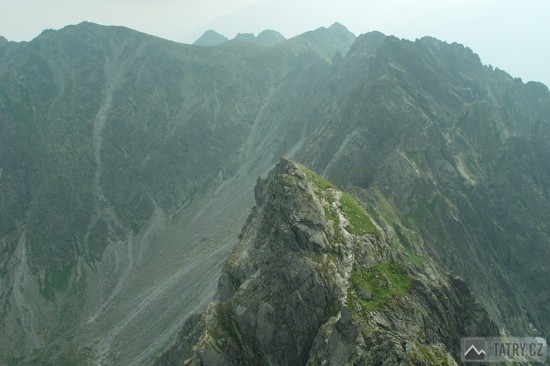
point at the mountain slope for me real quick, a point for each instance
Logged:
(313, 280)
(120, 153)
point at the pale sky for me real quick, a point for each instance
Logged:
(513, 35)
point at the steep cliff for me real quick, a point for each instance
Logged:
(313, 280)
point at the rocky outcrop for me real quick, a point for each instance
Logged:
(314, 281)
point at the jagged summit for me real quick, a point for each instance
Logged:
(211, 38)
(265, 38)
(366, 44)
(338, 27)
(269, 36)
(336, 31)
(327, 42)
(313, 278)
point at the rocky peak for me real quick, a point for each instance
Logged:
(327, 42)
(367, 43)
(313, 280)
(336, 31)
(269, 36)
(339, 28)
(211, 38)
(265, 38)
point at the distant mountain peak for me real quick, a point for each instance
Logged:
(211, 38)
(338, 26)
(89, 26)
(270, 36)
(3, 40)
(89, 30)
(367, 43)
(264, 38)
(327, 42)
(245, 37)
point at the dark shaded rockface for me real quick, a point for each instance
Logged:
(309, 284)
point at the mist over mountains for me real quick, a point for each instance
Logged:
(128, 166)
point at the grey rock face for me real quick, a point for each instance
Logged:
(290, 293)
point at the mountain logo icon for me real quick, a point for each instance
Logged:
(474, 350)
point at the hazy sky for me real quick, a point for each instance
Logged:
(510, 34)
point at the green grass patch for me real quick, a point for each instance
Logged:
(424, 355)
(359, 222)
(406, 238)
(315, 178)
(414, 259)
(383, 282)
